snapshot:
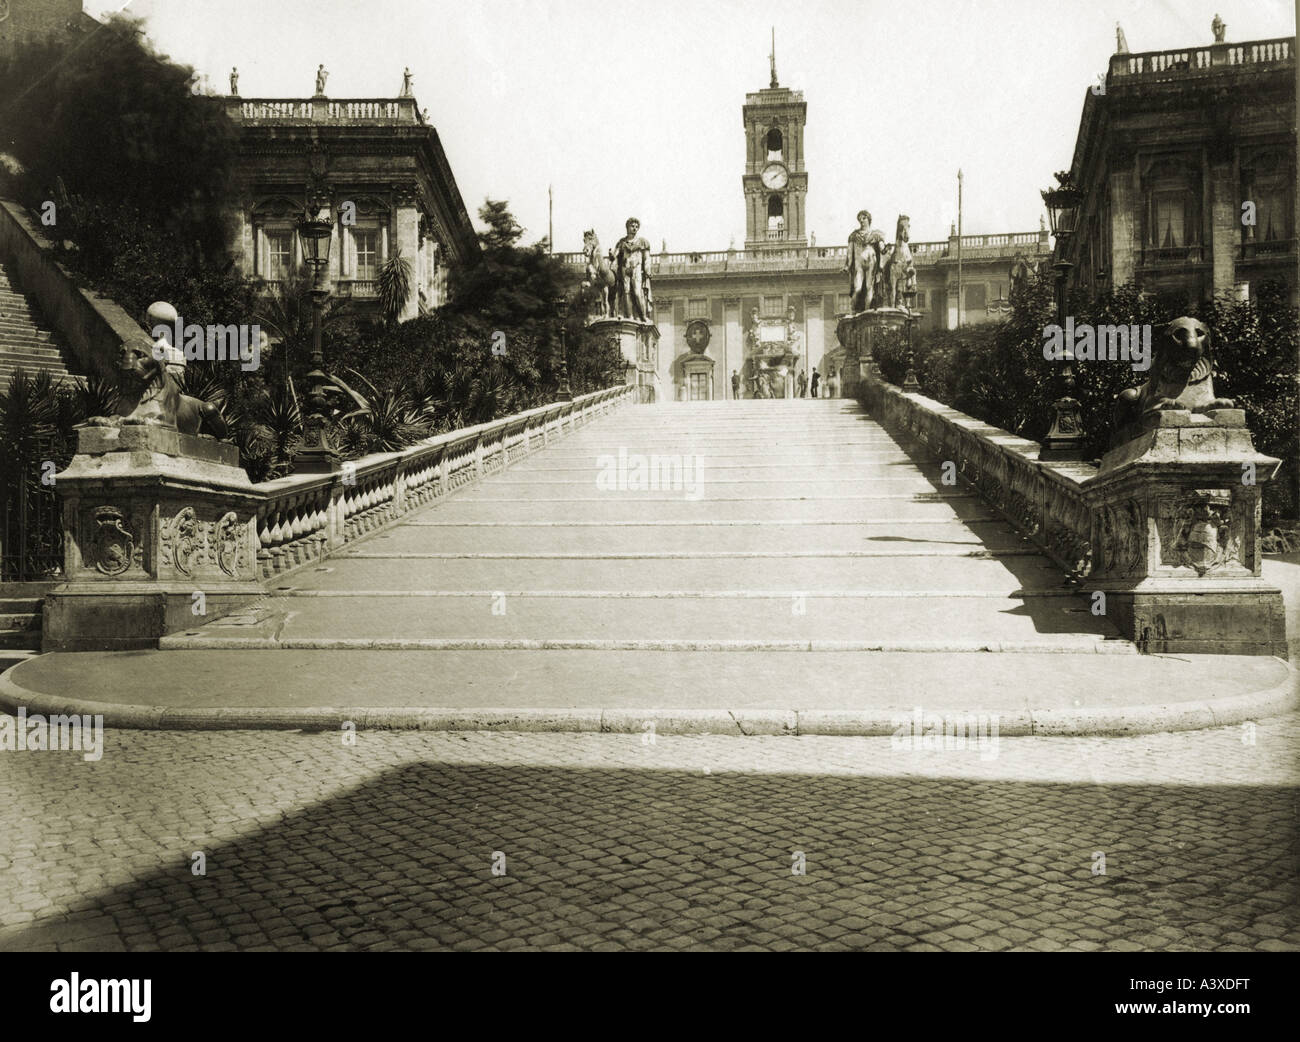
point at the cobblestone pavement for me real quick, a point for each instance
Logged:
(615, 842)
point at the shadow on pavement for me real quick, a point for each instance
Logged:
(654, 859)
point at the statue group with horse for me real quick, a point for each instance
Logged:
(620, 279)
(880, 273)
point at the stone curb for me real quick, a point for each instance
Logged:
(1145, 719)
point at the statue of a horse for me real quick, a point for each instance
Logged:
(898, 271)
(598, 276)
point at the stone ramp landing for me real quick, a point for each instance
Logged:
(799, 526)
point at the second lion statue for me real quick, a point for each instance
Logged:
(148, 394)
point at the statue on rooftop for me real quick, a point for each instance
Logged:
(406, 82)
(1219, 29)
(234, 82)
(321, 76)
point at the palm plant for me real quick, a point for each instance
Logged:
(394, 285)
(383, 421)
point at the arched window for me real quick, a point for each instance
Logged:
(775, 143)
(775, 215)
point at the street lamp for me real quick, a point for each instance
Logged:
(317, 454)
(1064, 440)
(910, 383)
(562, 310)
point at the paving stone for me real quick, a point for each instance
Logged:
(686, 842)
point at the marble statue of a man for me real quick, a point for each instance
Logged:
(632, 272)
(864, 262)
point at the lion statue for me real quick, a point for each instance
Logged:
(148, 394)
(1181, 377)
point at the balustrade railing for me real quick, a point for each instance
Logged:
(304, 517)
(320, 110)
(825, 258)
(1165, 64)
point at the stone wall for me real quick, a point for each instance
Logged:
(1166, 529)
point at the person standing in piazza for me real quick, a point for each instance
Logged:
(816, 381)
(803, 384)
(632, 270)
(735, 384)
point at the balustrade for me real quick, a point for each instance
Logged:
(303, 518)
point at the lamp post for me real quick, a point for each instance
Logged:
(910, 383)
(1064, 440)
(565, 394)
(317, 454)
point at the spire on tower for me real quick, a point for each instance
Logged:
(773, 58)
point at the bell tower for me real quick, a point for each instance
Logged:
(775, 181)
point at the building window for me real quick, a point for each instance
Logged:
(1266, 182)
(279, 254)
(842, 302)
(976, 296)
(366, 247)
(1172, 216)
(697, 307)
(920, 298)
(773, 307)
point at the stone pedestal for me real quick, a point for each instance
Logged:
(159, 534)
(859, 334)
(638, 343)
(1176, 512)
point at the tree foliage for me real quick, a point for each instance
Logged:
(997, 372)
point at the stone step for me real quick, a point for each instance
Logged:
(20, 640)
(10, 621)
(12, 657)
(632, 506)
(632, 537)
(1054, 624)
(24, 605)
(894, 574)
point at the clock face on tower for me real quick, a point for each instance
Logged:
(775, 176)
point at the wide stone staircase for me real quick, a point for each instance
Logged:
(810, 555)
(26, 340)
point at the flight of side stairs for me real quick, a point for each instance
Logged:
(20, 621)
(27, 343)
(810, 541)
(26, 340)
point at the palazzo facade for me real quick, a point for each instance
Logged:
(1187, 161)
(379, 167)
(712, 307)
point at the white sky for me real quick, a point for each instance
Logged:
(634, 108)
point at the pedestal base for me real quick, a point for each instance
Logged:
(159, 533)
(859, 335)
(133, 615)
(1175, 537)
(1179, 618)
(638, 343)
